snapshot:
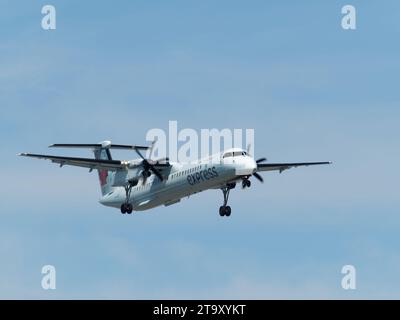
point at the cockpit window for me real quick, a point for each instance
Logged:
(238, 153)
(235, 154)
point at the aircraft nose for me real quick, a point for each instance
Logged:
(246, 166)
(250, 165)
(253, 165)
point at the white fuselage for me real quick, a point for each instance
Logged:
(183, 180)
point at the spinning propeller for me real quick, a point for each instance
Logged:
(256, 174)
(148, 167)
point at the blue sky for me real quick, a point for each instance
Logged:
(311, 91)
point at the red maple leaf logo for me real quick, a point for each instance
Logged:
(103, 174)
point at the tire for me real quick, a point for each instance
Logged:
(129, 209)
(221, 211)
(228, 211)
(123, 208)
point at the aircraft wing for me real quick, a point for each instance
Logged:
(284, 166)
(111, 165)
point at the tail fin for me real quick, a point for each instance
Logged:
(105, 176)
(102, 152)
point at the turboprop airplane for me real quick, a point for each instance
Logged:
(141, 184)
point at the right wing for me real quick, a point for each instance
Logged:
(284, 166)
(111, 165)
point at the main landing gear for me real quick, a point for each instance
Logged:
(127, 207)
(226, 210)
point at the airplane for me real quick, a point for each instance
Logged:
(142, 184)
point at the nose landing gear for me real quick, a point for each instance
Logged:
(246, 183)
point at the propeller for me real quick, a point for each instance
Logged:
(255, 174)
(147, 166)
(258, 177)
(151, 148)
(261, 160)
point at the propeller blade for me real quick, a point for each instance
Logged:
(156, 172)
(261, 160)
(259, 178)
(152, 147)
(148, 166)
(140, 155)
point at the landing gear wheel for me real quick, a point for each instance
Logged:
(129, 208)
(225, 210)
(246, 183)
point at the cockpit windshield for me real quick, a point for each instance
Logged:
(235, 154)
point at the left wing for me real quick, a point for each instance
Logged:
(111, 165)
(284, 166)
